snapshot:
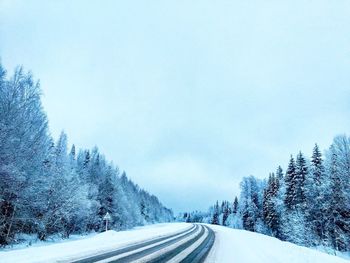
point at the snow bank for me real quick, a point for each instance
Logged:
(232, 245)
(67, 251)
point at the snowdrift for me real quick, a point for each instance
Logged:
(232, 245)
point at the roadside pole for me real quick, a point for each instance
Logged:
(107, 218)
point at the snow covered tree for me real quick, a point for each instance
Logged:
(279, 174)
(289, 180)
(235, 205)
(106, 195)
(216, 213)
(294, 221)
(317, 166)
(226, 211)
(72, 157)
(316, 202)
(338, 214)
(301, 173)
(251, 203)
(270, 210)
(23, 144)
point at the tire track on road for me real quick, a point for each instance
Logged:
(201, 252)
(189, 246)
(130, 248)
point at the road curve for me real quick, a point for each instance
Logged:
(189, 246)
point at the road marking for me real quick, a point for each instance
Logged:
(181, 256)
(146, 247)
(162, 251)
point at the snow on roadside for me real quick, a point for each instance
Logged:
(232, 245)
(67, 251)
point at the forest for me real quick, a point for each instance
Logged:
(308, 204)
(48, 188)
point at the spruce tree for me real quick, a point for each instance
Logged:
(316, 197)
(270, 213)
(226, 212)
(72, 153)
(215, 217)
(317, 166)
(235, 205)
(301, 173)
(289, 180)
(279, 173)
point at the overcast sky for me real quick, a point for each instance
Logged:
(187, 96)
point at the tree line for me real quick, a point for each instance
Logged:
(308, 204)
(46, 188)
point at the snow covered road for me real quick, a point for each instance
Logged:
(187, 246)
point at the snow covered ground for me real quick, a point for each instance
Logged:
(232, 245)
(64, 252)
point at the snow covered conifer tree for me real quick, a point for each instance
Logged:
(315, 192)
(317, 165)
(225, 212)
(279, 173)
(270, 210)
(301, 173)
(293, 219)
(215, 216)
(72, 156)
(289, 199)
(235, 205)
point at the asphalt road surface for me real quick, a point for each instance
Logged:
(189, 246)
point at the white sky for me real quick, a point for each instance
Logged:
(187, 96)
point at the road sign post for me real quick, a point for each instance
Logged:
(107, 218)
